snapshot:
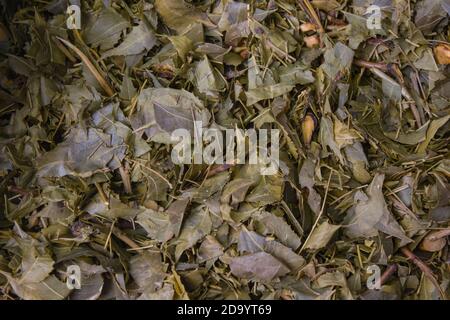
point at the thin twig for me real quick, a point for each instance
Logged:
(369, 64)
(122, 236)
(155, 172)
(125, 179)
(404, 92)
(103, 83)
(320, 214)
(387, 273)
(424, 268)
(101, 193)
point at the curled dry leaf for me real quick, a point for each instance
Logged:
(435, 240)
(442, 53)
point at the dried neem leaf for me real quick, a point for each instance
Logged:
(148, 271)
(207, 81)
(162, 226)
(140, 39)
(183, 45)
(327, 137)
(49, 289)
(267, 92)
(431, 131)
(370, 214)
(259, 266)
(359, 163)
(104, 28)
(165, 293)
(88, 177)
(112, 209)
(82, 153)
(234, 20)
(88, 150)
(295, 74)
(252, 242)
(92, 282)
(179, 15)
(160, 111)
(35, 267)
(197, 225)
(236, 190)
(209, 187)
(337, 60)
(321, 235)
(127, 90)
(429, 14)
(344, 135)
(98, 76)
(209, 249)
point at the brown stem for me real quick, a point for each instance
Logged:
(416, 260)
(390, 68)
(335, 21)
(379, 41)
(64, 50)
(122, 236)
(387, 273)
(125, 178)
(424, 268)
(367, 64)
(18, 190)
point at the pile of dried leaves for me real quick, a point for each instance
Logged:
(87, 178)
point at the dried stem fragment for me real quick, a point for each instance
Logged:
(387, 273)
(424, 268)
(103, 83)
